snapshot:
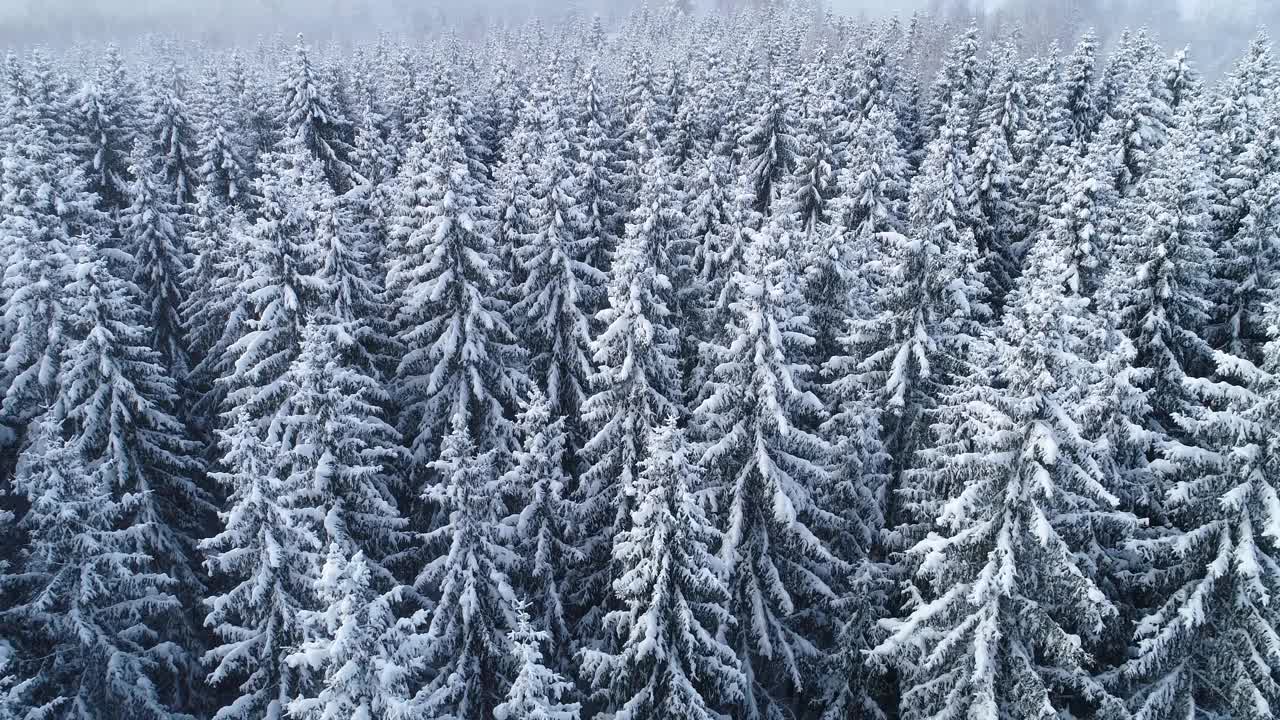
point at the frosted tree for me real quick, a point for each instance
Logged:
(871, 199)
(768, 469)
(352, 278)
(352, 646)
(151, 233)
(217, 309)
(1004, 608)
(104, 129)
(46, 211)
(1245, 268)
(636, 384)
(460, 357)
(543, 527)
(117, 406)
(955, 90)
(174, 139)
(280, 285)
(466, 640)
(83, 597)
(1207, 648)
(559, 285)
(223, 151)
(672, 661)
(1082, 214)
(769, 146)
(263, 560)
(536, 691)
(1160, 279)
(311, 119)
(598, 180)
(1078, 92)
(343, 453)
(922, 333)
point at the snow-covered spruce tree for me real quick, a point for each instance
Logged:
(672, 660)
(117, 406)
(559, 287)
(104, 127)
(871, 199)
(1238, 116)
(1245, 272)
(217, 309)
(598, 181)
(151, 234)
(923, 330)
(352, 645)
(280, 285)
(808, 193)
(224, 151)
(957, 85)
(1159, 279)
(83, 598)
(460, 358)
(1005, 608)
(342, 453)
(768, 470)
(1077, 92)
(466, 642)
(1082, 213)
(544, 525)
(264, 560)
(354, 283)
(768, 145)
(45, 210)
(1145, 119)
(310, 118)
(635, 387)
(173, 138)
(536, 691)
(1208, 647)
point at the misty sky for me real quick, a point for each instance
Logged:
(55, 20)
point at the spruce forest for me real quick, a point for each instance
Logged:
(763, 364)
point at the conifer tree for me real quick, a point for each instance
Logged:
(264, 559)
(311, 119)
(635, 386)
(46, 212)
(352, 645)
(922, 334)
(769, 146)
(536, 691)
(174, 139)
(1160, 279)
(460, 357)
(217, 308)
(466, 641)
(871, 199)
(598, 180)
(543, 527)
(1005, 607)
(151, 234)
(343, 453)
(956, 87)
(1207, 646)
(84, 597)
(117, 406)
(224, 155)
(559, 285)
(104, 130)
(671, 660)
(280, 286)
(769, 469)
